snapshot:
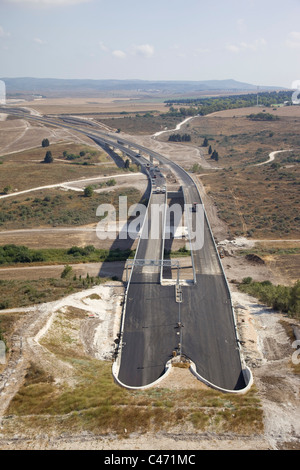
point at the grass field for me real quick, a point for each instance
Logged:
(53, 207)
(240, 141)
(260, 202)
(17, 294)
(25, 170)
(94, 105)
(284, 258)
(97, 404)
(139, 124)
(88, 398)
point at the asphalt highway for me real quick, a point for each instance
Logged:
(151, 333)
(150, 324)
(151, 321)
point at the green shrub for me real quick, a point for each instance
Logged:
(66, 272)
(282, 298)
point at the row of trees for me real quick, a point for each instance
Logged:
(48, 157)
(263, 117)
(205, 106)
(213, 154)
(182, 112)
(180, 138)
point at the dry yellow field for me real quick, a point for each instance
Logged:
(92, 105)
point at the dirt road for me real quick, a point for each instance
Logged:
(113, 268)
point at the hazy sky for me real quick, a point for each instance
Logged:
(254, 41)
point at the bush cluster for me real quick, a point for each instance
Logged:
(10, 254)
(283, 298)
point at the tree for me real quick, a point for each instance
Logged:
(295, 299)
(215, 155)
(209, 150)
(66, 272)
(186, 138)
(205, 142)
(7, 189)
(88, 191)
(196, 168)
(48, 157)
(45, 143)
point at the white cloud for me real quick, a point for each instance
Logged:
(3, 33)
(241, 25)
(119, 54)
(39, 41)
(293, 40)
(242, 46)
(103, 46)
(47, 2)
(232, 48)
(254, 46)
(144, 50)
(199, 52)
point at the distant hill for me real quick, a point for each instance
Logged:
(50, 87)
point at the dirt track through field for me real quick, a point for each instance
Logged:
(80, 184)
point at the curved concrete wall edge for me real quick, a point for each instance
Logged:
(246, 372)
(115, 372)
